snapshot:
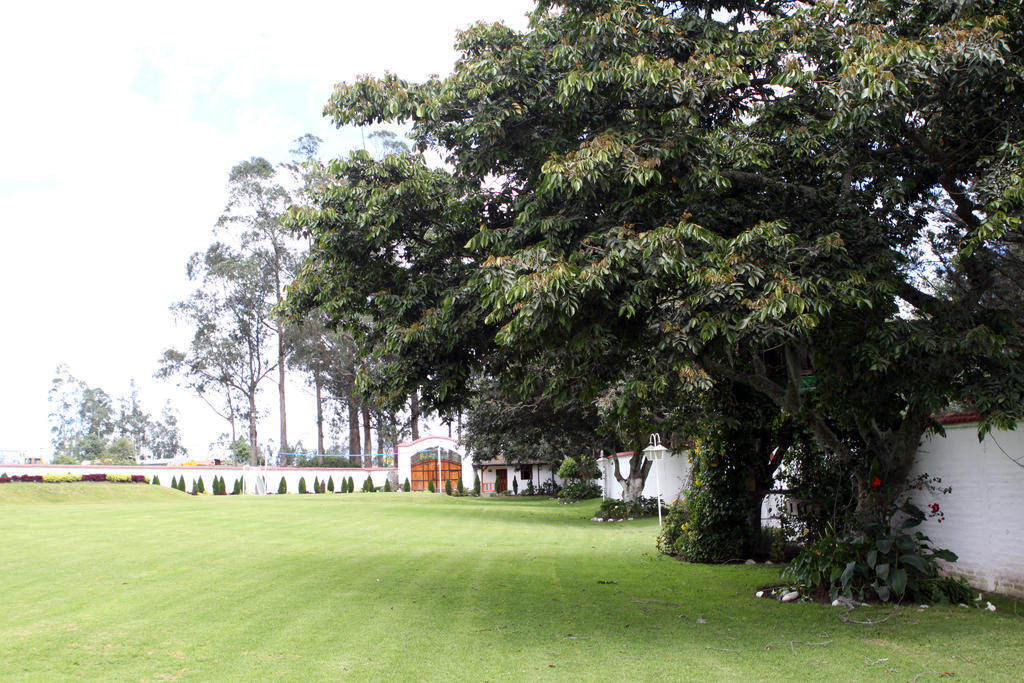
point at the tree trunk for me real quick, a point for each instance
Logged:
(633, 485)
(280, 394)
(414, 414)
(254, 453)
(367, 434)
(353, 426)
(319, 418)
(231, 413)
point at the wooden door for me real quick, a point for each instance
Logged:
(502, 480)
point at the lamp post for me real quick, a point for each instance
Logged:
(655, 452)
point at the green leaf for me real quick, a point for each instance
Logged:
(882, 571)
(898, 580)
(915, 561)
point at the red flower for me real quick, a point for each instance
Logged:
(876, 482)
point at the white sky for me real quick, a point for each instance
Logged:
(119, 124)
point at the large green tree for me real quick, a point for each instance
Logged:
(818, 201)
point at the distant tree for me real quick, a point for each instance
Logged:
(252, 217)
(230, 313)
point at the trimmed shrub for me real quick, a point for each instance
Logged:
(351, 485)
(330, 484)
(316, 484)
(461, 487)
(387, 486)
(530, 491)
(430, 485)
(119, 478)
(156, 480)
(407, 486)
(448, 486)
(515, 486)
(368, 485)
(476, 484)
(174, 482)
(302, 485)
(283, 486)
(181, 483)
(200, 485)
(61, 478)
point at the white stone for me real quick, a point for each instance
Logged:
(750, 562)
(759, 594)
(790, 596)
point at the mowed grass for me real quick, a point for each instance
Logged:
(130, 582)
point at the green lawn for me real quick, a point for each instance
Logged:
(104, 581)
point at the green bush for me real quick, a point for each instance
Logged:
(368, 485)
(675, 530)
(407, 486)
(156, 480)
(119, 478)
(316, 484)
(283, 486)
(201, 487)
(579, 490)
(448, 486)
(876, 563)
(461, 488)
(174, 482)
(238, 488)
(430, 485)
(620, 509)
(515, 486)
(476, 484)
(387, 485)
(718, 530)
(530, 491)
(569, 469)
(330, 484)
(181, 483)
(302, 485)
(351, 485)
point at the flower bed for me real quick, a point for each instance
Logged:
(74, 478)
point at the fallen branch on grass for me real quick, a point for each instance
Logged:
(847, 620)
(793, 643)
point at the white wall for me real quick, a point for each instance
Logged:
(272, 475)
(674, 471)
(984, 513)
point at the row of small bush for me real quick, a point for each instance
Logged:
(620, 509)
(73, 478)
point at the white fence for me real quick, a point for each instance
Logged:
(272, 475)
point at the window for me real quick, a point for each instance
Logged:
(526, 473)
